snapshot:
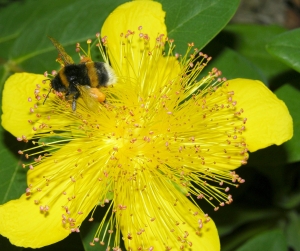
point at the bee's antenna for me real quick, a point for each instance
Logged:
(47, 95)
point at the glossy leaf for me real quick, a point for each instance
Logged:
(240, 216)
(293, 230)
(286, 47)
(291, 96)
(29, 46)
(197, 21)
(271, 241)
(12, 175)
(68, 21)
(239, 66)
(250, 41)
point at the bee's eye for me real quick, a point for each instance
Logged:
(72, 78)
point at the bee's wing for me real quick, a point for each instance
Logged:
(64, 56)
(90, 101)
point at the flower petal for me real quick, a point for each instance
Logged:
(159, 216)
(268, 119)
(129, 16)
(54, 184)
(22, 94)
(24, 224)
(15, 105)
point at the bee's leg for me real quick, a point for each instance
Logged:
(67, 95)
(74, 104)
(75, 97)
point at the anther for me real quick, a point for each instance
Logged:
(243, 162)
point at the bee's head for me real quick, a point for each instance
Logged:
(57, 85)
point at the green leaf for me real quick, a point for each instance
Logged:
(27, 46)
(25, 39)
(293, 230)
(239, 66)
(12, 175)
(241, 216)
(286, 47)
(272, 241)
(291, 96)
(250, 41)
(290, 201)
(197, 21)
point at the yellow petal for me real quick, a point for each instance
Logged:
(25, 226)
(130, 16)
(159, 216)
(23, 222)
(20, 116)
(15, 105)
(69, 162)
(268, 119)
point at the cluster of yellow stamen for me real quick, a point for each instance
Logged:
(161, 137)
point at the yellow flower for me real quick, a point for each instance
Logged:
(162, 136)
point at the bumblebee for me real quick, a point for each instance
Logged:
(73, 79)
